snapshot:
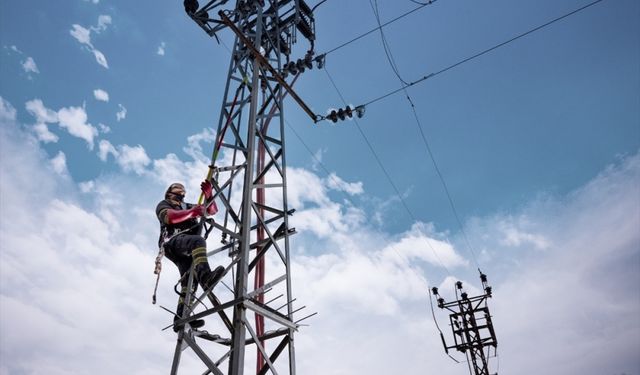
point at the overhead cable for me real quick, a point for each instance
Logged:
(431, 75)
(390, 58)
(444, 184)
(386, 174)
(385, 45)
(317, 5)
(379, 27)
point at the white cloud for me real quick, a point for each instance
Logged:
(316, 159)
(83, 36)
(160, 50)
(417, 244)
(122, 113)
(305, 187)
(59, 164)
(194, 148)
(29, 66)
(74, 120)
(132, 159)
(105, 148)
(56, 290)
(7, 111)
(100, 58)
(517, 237)
(170, 169)
(43, 116)
(373, 310)
(40, 112)
(93, 1)
(103, 21)
(104, 128)
(135, 159)
(43, 134)
(87, 186)
(336, 183)
(101, 95)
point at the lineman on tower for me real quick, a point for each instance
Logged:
(180, 233)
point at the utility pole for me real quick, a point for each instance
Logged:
(471, 324)
(248, 172)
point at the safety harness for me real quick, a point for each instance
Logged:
(165, 238)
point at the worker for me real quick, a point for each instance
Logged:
(180, 232)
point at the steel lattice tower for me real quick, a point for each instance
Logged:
(471, 325)
(248, 170)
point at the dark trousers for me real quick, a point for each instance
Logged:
(179, 250)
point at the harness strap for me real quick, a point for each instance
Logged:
(158, 266)
(157, 271)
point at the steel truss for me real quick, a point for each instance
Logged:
(248, 172)
(472, 328)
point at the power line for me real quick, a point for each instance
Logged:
(317, 5)
(444, 184)
(386, 174)
(389, 54)
(385, 45)
(373, 151)
(330, 175)
(379, 27)
(481, 53)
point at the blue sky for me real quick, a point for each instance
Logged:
(106, 102)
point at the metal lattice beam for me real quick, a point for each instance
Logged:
(248, 171)
(471, 325)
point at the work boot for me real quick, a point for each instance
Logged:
(209, 279)
(195, 324)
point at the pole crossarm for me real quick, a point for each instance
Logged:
(471, 326)
(263, 61)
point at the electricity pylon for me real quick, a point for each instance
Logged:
(248, 171)
(472, 327)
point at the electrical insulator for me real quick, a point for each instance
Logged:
(308, 61)
(300, 65)
(348, 111)
(191, 6)
(292, 68)
(459, 284)
(333, 116)
(344, 113)
(434, 290)
(320, 61)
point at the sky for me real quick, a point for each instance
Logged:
(104, 103)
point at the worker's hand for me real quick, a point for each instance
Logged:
(212, 208)
(198, 210)
(207, 189)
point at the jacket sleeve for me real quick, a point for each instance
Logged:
(173, 216)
